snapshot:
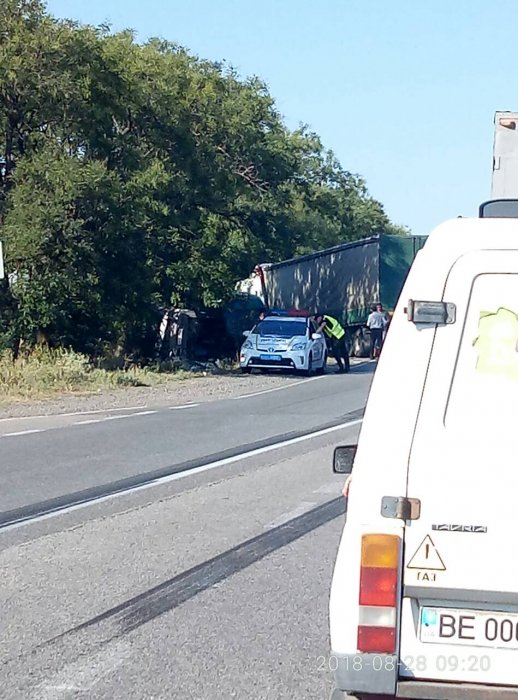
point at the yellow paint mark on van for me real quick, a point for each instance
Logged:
(497, 343)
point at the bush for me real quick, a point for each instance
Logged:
(45, 371)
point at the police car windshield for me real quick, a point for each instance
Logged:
(282, 329)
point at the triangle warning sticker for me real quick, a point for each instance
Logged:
(427, 557)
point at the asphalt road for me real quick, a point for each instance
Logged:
(212, 585)
(49, 461)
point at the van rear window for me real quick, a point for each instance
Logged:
(485, 383)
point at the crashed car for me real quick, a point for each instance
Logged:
(284, 343)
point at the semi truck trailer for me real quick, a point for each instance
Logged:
(344, 281)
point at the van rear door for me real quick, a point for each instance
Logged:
(460, 595)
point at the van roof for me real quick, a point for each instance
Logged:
(459, 236)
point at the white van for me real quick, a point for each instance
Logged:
(424, 599)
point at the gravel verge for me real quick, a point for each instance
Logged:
(171, 392)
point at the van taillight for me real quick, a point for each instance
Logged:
(379, 640)
(378, 593)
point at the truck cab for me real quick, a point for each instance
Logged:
(424, 598)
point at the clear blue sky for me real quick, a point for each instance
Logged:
(404, 91)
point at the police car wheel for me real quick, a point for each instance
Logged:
(322, 369)
(245, 370)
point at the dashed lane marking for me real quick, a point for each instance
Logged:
(179, 408)
(24, 432)
(90, 421)
(74, 413)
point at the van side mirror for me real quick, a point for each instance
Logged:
(316, 336)
(343, 459)
(246, 333)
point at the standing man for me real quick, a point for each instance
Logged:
(377, 322)
(336, 334)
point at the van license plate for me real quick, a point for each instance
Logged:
(469, 627)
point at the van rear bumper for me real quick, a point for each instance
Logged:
(426, 690)
(366, 673)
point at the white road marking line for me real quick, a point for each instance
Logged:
(129, 415)
(75, 413)
(139, 413)
(80, 422)
(185, 405)
(277, 388)
(84, 673)
(23, 432)
(302, 508)
(189, 472)
(89, 421)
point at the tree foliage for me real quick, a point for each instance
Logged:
(134, 176)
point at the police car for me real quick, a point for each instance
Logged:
(284, 342)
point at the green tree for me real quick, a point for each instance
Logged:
(134, 176)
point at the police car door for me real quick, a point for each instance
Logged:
(460, 595)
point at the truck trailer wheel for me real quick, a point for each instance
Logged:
(361, 343)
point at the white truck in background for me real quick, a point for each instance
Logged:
(504, 182)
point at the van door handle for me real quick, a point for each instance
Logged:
(401, 507)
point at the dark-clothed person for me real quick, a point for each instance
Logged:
(334, 330)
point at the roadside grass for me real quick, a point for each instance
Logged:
(45, 373)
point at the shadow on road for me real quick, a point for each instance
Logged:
(362, 367)
(366, 367)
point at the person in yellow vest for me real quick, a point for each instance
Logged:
(334, 330)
